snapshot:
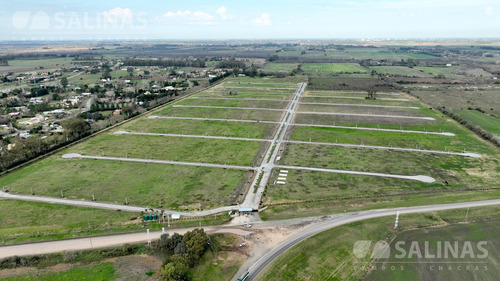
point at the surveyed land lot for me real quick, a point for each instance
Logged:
(213, 149)
(394, 134)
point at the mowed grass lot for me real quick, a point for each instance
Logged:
(484, 121)
(450, 172)
(172, 148)
(329, 255)
(23, 222)
(178, 187)
(458, 171)
(332, 68)
(273, 67)
(235, 103)
(104, 271)
(142, 184)
(201, 127)
(222, 113)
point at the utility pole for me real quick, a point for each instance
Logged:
(62, 195)
(149, 239)
(93, 197)
(467, 214)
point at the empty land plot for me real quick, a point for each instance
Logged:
(235, 103)
(441, 167)
(23, 222)
(142, 184)
(472, 232)
(311, 185)
(262, 115)
(448, 72)
(247, 94)
(215, 151)
(268, 80)
(358, 109)
(462, 140)
(201, 127)
(357, 100)
(462, 100)
(400, 71)
(484, 121)
(276, 67)
(332, 68)
(316, 119)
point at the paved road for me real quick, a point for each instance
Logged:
(111, 206)
(367, 115)
(354, 98)
(213, 119)
(234, 167)
(252, 200)
(421, 178)
(466, 154)
(188, 136)
(227, 107)
(361, 105)
(263, 262)
(103, 241)
(377, 129)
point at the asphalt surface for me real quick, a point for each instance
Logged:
(111, 206)
(102, 241)
(182, 163)
(421, 178)
(252, 200)
(265, 260)
(188, 136)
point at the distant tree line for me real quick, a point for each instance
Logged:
(166, 62)
(489, 136)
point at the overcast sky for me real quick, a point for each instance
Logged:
(256, 19)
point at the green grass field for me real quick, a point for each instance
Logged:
(331, 68)
(142, 184)
(23, 222)
(245, 114)
(484, 121)
(329, 255)
(172, 148)
(400, 71)
(201, 127)
(273, 67)
(235, 103)
(104, 271)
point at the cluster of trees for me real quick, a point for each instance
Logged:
(231, 64)
(166, 62)
(183, 252)
(26, 149)
(489, 136)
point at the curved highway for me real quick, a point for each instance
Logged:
(265, 260)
